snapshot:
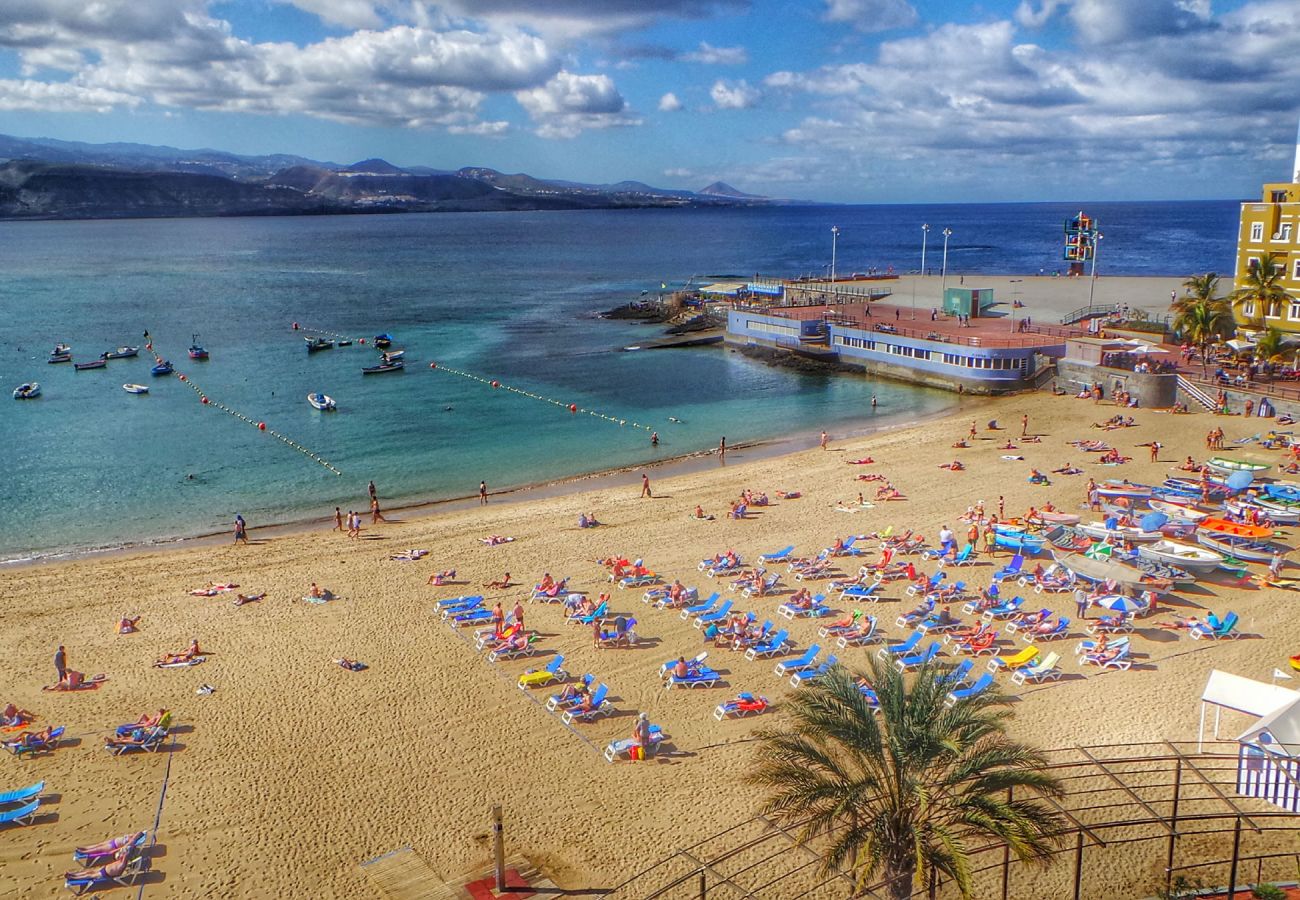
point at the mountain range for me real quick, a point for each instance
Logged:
(41, 178)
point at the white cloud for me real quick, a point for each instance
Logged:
(39, 96)
(734, 94)
(347, 13)
(480, 129)
(710, 55)
(871, 15)
(669, 103)
(1102, 22)
(569, 104)
(572, 19)
(1028, 16)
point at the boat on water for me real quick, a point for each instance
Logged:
(1215, 525)
(29, 391)
(1103, 530)
(1226, 466)
(163, 368)
(121, 353)
(318, 343)
(60, 349)
(1194, 559)
(392, 355)
(1246, 548)
(383, 341)
(135, 388)
(196, 350)
(93, 364)
(321, 401)
(346, 342)
(383, 367)
(60, 358)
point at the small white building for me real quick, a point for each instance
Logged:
(1268, 761)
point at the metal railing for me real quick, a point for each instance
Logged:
(1089, 312)
(1204, 399)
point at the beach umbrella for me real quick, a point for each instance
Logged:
(1120, 603)
(1153, 521)
(1239, 481)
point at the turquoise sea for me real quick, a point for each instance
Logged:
(507, 296)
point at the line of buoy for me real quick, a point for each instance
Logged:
(334, 334)
(571, 407)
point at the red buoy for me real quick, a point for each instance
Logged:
(205, 401)
(433, 365)
(261, 426)
(181, 377)
(573, 407)
(496, 384)
(362, 341)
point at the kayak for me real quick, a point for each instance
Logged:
(1236, 529)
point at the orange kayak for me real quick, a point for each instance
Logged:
(1239, 529)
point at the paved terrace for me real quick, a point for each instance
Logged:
(889, 318)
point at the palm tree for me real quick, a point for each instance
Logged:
(1268, 348)
(1260, 288)
(1197, 287)
(903, 793)
(1203, 321)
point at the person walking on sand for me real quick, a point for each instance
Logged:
(722, 449)
(645, 486)
(1155, 451)
(375, 515)
(338, 519)
(482, 493)
(825, 438)
(973, 431)
(61, 662)
(1024, 425)
(241, 529)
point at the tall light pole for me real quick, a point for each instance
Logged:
(1092, 281)
(835, 237)
(925, 233)
(943, 288)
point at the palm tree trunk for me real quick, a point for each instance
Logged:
(899, 876)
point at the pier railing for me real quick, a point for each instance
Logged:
(1089, 312)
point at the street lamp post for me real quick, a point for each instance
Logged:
(925, 233)
(835, 237)
(943, 287)
(1092, 281)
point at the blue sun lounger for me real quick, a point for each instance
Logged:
(957, 677)
(618, 748)
(466, 602)
(778, 556)
(983, 684)
(597, 613)
(701, 676)
(807, 677)
(1011, 570)
(23, 815)
(860, 639)
(902, 649)
(770, 647)
(700, 609)
(136, 866)
(860, 592)
(915, 660)
(45, 745)
(598, 708)
(716, 616)
(22, 795)
(790, 666)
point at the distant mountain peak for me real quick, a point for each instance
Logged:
(722, 189)
(374, 167)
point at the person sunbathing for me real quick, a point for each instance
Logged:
(1044, 626)
(954, 466)
(514, 643)
(189, 654)
(875, 476)
(128, 625)
(944, 618)
(802, 599)
(546, 584)
(866, 460)
(1181, 623)
(962, 444)
(316, 591)
(12, 716)
(1037, 477)
(699, 513)
(572, 693)
(149, 720)
(242, 599)
(1008, 446)
(107, 872)
(503, 582)
(32, 740)
(437, 579)
(494, 540)
(889, 492)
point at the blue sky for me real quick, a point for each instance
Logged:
(833, 100)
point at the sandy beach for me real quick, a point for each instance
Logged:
(294, 771)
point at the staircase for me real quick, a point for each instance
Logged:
(1089, 312)
(1191, 390)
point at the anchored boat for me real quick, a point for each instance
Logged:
(93, 364)
(121, 353)
(163, 368)
(321, 401)
(196, 350)
(135, 388)
(29, 391)
(318, 343)
(395, 366)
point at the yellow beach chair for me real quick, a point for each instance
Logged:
(552, 672)
(1015, 661)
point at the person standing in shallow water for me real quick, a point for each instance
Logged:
(241, 529)
(482, 493)
(722, 448)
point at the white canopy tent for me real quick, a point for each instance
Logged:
(1223, 690)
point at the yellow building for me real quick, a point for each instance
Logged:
(1272, 226)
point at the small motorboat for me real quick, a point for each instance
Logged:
(1196, 560)
(29, 391)
(1284, 490)
(1225, 466)
(1215, 525)
(346, 342)
(135, 388)
(321, 401)
(121, 353)
(1124, 489)
(93, 364)
(318, 343)
(383, 341)
(196, 350)
(1276, 514)
(392, 355)
(61, 349)
(60, 358)
(163, 368)
(1118, 533)
(396, 366)
(1244, 548)
(1177, 511)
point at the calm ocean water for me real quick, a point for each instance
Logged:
(509, 296)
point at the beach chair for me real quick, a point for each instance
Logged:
(778, 556)
(110, 848)
(810, 676)
(1060, 630)
(901, 649)
(693, 661)
(860, 638)
(554, 671)
(722, 570)
(769, 583)
(958, 675)
(1013, 661)
(469, 605)
(1027, 620)
(597, 613)
(835, 629)
(22, 795)
(770, 647)
(700, 609)
(511, 651)
(465, 602)
(1039, 670)
(23, 815)
(966, 557)
(983, 645)
(847, 548)
(598, 708)
(860, 592)
(551, 594)
(808, 562)
(45, 745)
(983, 684)
(790, 666)
(1225, 630)
(1005, 610)
(636, 581)
(716, 615)
(814, 610)
(908, 619)
(146, 739)
(1085, 647)
(123, 871)
(630, 748)
(1011, 570)
(700, 676)
(1120, 624)
(933, 625)
(912, 661)
(930, 584)
(1120, 660)
(740, 706)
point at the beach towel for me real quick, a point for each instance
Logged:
(181, 663)
(1013, 458)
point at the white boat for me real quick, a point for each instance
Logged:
(1132, 533)
(29, 391)
(1225, 466)
(1197, 560)
(1176, 511)
(1239, 547)
(135, 388)
(1053, 517)
(1274, 513)
(321, 401)
(391, 355)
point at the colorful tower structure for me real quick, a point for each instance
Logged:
(1080, 241)
(1272, 225)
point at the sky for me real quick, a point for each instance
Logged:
(860, 101)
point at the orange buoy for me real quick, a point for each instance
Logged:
(261, 426)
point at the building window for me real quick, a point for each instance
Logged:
(1295, 273)
(1256, 232)
(1283, 233)
(1293, 313)
(1248, 309)
(1252, 263)
(1274, 309)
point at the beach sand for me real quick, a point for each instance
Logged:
(294, 770)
